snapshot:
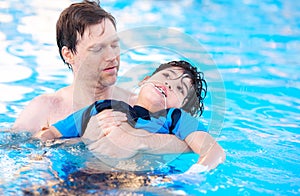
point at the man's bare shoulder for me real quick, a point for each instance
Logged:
(35, 114)
(58, 104)
(46, 100)
(42, 111)
(58, 98)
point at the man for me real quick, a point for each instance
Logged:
(88, 44)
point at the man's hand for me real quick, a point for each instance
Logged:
(125, 141)
(108, 118)
(101, 125)
(118, 144)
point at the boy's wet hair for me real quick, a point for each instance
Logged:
(194, 99)
(75, 19)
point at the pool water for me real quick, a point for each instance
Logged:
(254, 46)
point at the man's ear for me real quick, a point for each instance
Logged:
(68, 55)
(144, 80)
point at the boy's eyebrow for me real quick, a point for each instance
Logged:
(183, 76)
(173, 72)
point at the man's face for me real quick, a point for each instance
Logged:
(165, 89)
(98, 56)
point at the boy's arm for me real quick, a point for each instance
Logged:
(48, 133)
(211, 153)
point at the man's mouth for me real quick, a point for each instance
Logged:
(109, 68)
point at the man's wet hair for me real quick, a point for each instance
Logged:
(195, 97)
(75, 19)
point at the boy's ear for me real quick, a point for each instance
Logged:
(184, 102)
(144, 80)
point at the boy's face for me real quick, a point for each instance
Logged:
(166, 89)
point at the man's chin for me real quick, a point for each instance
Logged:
(109, 82)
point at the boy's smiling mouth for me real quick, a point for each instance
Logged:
(161, 89)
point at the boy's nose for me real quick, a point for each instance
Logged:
(168, 85)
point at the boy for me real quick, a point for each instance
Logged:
(173, 85)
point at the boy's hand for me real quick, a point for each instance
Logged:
(196, 168)
(45, 134)
(196, 173)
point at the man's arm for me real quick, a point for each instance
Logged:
(211, 153)
(103, 123)
(34, 116)
(124, 142)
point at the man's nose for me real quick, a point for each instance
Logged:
(110, 53)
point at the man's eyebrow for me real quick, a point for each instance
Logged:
(103, 44)
(96, 45)
(116, 39)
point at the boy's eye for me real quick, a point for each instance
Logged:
(180, 89)
(166, 75)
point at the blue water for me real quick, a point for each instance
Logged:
(254, 46)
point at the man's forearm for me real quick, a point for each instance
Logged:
(158, 143)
